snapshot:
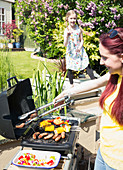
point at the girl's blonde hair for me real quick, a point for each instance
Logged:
(71, 12)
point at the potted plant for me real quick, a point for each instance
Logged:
(12, 32)
(10, 43)
(8, 29)
(16, 35)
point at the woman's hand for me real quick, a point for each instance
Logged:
(61, 95)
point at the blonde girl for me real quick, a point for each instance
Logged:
(76, 56)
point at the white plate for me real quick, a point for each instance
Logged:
(39, 155)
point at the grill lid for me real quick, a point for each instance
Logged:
(14, 102)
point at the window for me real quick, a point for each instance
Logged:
(2, 19)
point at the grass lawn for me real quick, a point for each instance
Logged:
(24, 64)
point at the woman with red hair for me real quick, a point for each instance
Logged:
(110, 153)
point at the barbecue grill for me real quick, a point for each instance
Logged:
(17, 101)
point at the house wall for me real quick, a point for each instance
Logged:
(7, 5)
(25, 40)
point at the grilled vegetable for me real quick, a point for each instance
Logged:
(59, 130)
(50, 120)
(58, 121)
(49, 128)
(44, 123)
(67, 128)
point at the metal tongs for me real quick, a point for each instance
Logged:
(49, 111)
(66, 98)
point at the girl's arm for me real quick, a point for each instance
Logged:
(81, 42)
(85, 86)
(66, 35)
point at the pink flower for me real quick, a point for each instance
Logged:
(102, 19)
(50, 43)
(100, 12)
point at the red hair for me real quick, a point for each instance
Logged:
(115, 46)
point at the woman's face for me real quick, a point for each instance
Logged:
(72, 20)
(111, 61)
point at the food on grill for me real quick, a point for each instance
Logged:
(33, 115)
(58, 121)
(48, 136)
(66, 122)
(50, 120)
(35, 135)
(58, 138)
(55, 136)
(59, 130)
(67, 128)
(20, 125)
(42, 135)
(49, 128)
(63, 135)
(44, 123)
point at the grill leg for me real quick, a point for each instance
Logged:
(89, 163)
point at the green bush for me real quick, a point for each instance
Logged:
(58, 39)
(91, 45)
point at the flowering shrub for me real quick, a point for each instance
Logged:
(11, 31)
(99, 16)
(8, 29)
(40, 16)
(91, 44)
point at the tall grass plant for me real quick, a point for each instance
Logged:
(46, 85)
(6, 69)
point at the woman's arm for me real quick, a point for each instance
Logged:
(85, 86)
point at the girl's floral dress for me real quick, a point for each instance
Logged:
(75, 60)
